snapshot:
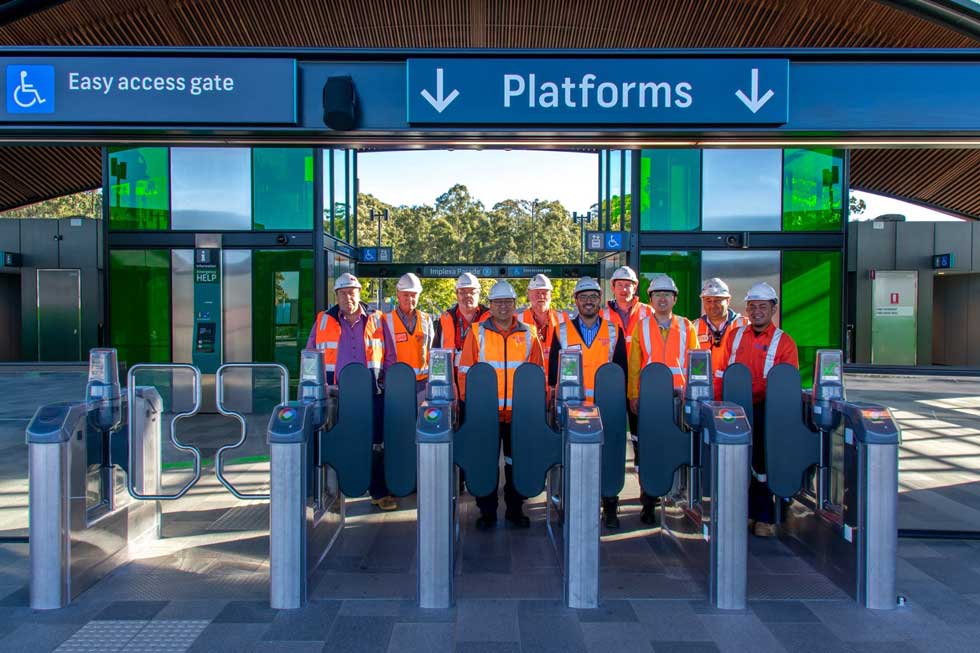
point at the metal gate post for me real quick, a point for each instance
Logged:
(878, 527)
(434, 436)
(582, 483)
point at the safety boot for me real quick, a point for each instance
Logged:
(610, 518)
(517, 518)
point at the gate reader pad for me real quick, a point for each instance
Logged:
(290, 423)
(725, 423)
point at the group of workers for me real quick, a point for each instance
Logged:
(623, 331)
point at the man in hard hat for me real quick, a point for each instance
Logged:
(717, 319)
(350, 332)
(540, 314)
(505, 342)
(759, 346)
(411, 329)
(664, 338)
(455, 323)
(600, 341)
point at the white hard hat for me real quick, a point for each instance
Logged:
(715, 287)
(540, 282)
(502, 290)
(409, 282)
(662, 282)
(761, 291)
(586, 283)
(625, 272)
(467, 280)
(347, 280)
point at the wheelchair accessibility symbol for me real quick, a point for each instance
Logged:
(30, 89)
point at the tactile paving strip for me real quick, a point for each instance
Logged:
(243, 518)
(166, 636)
(102, 636)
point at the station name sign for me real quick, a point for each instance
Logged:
(137, 90)
(598, 91)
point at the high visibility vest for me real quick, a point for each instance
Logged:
(672, 353)
(413, 348)
(447, 327)
(328, 337)
(601, 352)
(504, 355)
(640, 311)
(555, 318)
(706, 338)
(770, 353)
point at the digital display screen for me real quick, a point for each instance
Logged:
(309, 366)
(830, 369)
(699, 368)
(205, 337)
(438, 367)
(96, 367)
(569, 370)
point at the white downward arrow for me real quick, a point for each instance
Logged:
(440, 101)
(755, 102)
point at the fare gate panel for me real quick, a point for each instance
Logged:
(669, 447)
(347, 445)
(400, 407)
(476, 445)
(536, 447)
(791, 446)
(610, 397)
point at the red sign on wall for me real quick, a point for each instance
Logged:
(894, 298)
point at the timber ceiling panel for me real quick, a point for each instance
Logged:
(945, 178)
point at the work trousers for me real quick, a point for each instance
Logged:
(513, 500)
(379, 487)
(610, 504)
(761, 499)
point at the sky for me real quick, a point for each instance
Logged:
(419, 176)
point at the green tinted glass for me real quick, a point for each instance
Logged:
(812, 190)
(282, 306)
(139, 188)
(810, 304)
(282, 189)
(670, 190)
(139, 305)
(684, 268)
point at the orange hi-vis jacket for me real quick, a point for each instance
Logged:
(601, 352)
(505, 352)
(328, 337)
(760, 352)
(546, 336)
(413, 348)
(649, 347)
(448, 322)
(639, 311)
(709, 338)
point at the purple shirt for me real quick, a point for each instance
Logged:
(351, 349)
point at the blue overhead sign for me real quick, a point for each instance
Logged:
(148, 90)
(598, 91)
(607, 241)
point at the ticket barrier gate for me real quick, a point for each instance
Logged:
(577, 447)
(321, 450)
(82, 522)
(695, 456)
(835, 463)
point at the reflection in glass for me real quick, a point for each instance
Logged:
(742, 190)
(139, 305)
(282, 186)
(812, 190)
(282, 301)
(740, 270)
(211, 188)
(139, 188)
(811, 304)
(670, 190)
(684, 268)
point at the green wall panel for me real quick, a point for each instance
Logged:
(812, 189)
(670, 190)
(811, 304)
(282, 306)
(139, 188)
(139, 305)
(684, 268)
(282, 189)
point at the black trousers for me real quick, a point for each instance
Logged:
(378, 487)
(610, 504)
(761, 499)
(513, 500)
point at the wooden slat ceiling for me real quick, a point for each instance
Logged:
(34, 173)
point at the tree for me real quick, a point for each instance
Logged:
(857, 206)
(86, 204)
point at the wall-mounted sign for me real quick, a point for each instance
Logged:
(10, 259)
(148, 90)
(607, 241)
(376, 254)
(943, 261)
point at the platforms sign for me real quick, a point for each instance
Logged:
(598, 91)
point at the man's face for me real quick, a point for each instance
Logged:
(587, 303)
(468, 298)
(540, 299)
(715, 308)
(760, 312)
(348, 299)
(407, 301)
(502, 310)
(663, 302)
(624, 290)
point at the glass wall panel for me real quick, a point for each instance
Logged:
(740, 270)
(282, 189)
(613, 197)
(351, 175)
(212, 188)
(338, 194)
(670, 190)
(742, 190)
(812, 190)
(139, 305)
(684, 268)
(282, 306)
(139, 188)
(811, 304)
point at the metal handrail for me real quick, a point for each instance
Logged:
(219, 400)
(131, 392)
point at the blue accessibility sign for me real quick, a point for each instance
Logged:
(30, 89)
(606, 241)
(369, 254)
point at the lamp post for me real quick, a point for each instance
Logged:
(534, 210)
(380, 216)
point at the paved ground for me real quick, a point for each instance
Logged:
(205, 585)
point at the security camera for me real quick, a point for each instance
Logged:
(282, 239)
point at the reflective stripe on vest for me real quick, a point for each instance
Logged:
(504, 369)
(682, 330)
(770, 354)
